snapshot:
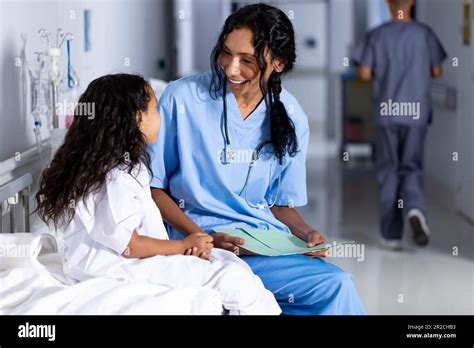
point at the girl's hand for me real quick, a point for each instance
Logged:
(314, 238)
(194, 252)
(201, 241)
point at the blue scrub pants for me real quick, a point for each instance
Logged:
(307, 286)
(399, 165)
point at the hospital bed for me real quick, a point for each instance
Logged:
(33, 282)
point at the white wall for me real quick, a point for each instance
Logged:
(465, 127)
(198, 25)
(433, 13)
(133, 29)
(209, 19)
(341, 33)
(309, 81)
(342, 27)
(378, 13)
(452, 130)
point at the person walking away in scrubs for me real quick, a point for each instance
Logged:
(98, 185)
(213, 123)
(401, 57)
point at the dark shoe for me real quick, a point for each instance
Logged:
(421, 232)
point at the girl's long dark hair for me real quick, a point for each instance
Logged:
(273, 29)
(95, 144)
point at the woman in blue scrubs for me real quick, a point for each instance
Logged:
(213, 125)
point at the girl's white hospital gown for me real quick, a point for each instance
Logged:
(101, 230)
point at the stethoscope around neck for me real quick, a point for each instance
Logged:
(229, 156)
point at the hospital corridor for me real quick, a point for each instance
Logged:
(426, 277)
(209, 157)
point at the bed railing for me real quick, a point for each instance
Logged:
(11, 194)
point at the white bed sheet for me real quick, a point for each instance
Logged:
(36, 285)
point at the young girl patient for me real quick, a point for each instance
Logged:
(97, 186)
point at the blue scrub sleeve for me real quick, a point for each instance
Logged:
(293, 178)
(437, 52)
(164, 153)
(364, 53)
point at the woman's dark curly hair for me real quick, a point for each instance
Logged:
(273, 29)
(93, 146)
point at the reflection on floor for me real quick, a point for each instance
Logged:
(437, 279)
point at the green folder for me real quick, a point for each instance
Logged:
(274, 243)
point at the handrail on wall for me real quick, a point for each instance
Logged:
(10, 194)
(30, 155)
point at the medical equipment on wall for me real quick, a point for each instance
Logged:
(72, 78)
(42, 82)
(24, 78)
(53, 53)
(39, 98)
(30, 90)
(34, 100)
(230, 156)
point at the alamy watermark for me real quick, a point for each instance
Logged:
(8, 250)
(391, 108)
(236, 156)
(348, 250)
(28, 330)
(86, 109)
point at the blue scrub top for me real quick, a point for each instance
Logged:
(401, 56)
(186, 159)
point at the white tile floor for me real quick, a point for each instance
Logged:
(431, 280)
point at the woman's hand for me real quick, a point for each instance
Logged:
(291, 218)
(314, 238)
(232, 244)
(198, 244)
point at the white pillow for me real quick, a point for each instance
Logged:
(22, 249)
(158, 86)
